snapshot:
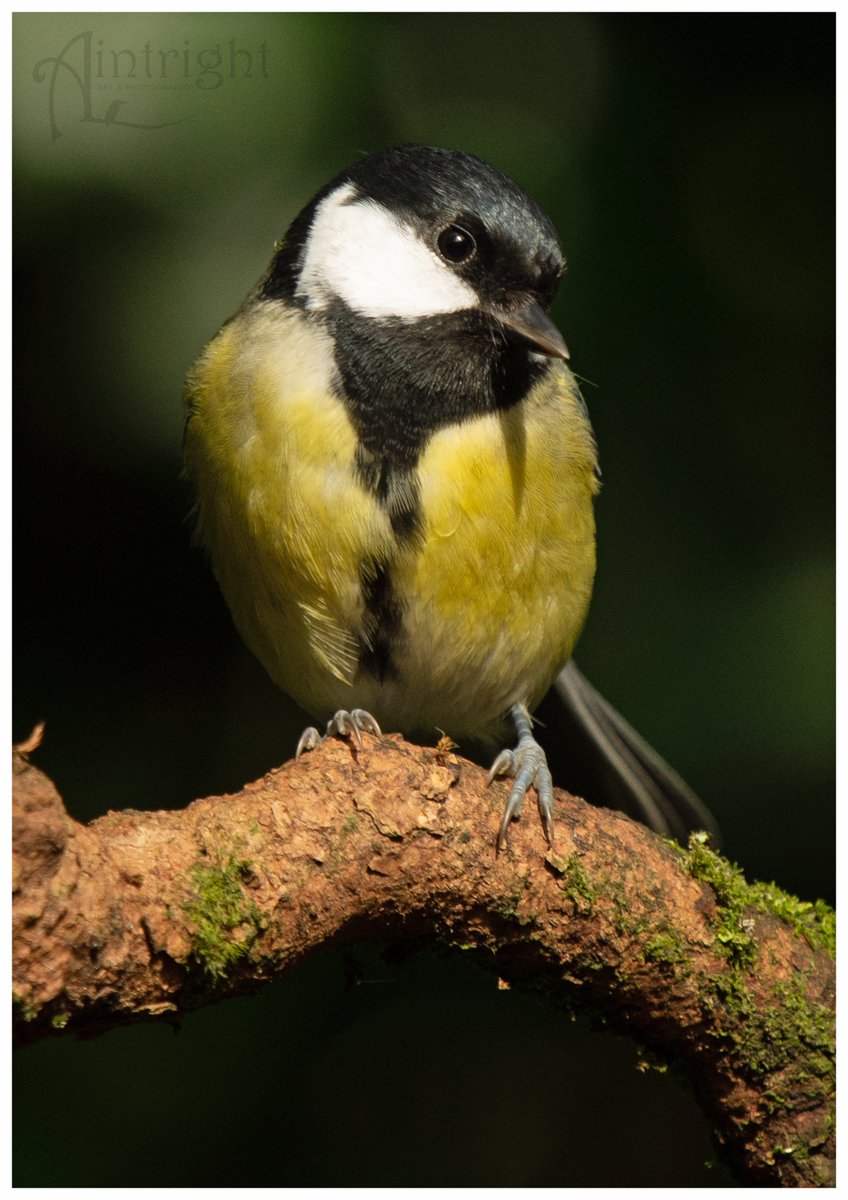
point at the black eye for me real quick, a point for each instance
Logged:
(456, 245)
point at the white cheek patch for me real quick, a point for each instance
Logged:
(379, 267)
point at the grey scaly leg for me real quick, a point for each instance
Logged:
(527, 763)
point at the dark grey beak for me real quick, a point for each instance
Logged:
(532, 325)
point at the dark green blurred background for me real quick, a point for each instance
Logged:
(688, 163)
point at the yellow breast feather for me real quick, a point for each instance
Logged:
(287, 524)
(496, 592)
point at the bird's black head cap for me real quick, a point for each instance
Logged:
(433, 189)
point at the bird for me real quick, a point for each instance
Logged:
(395, 472)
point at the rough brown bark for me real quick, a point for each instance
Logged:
(144, 915)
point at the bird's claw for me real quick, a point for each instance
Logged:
(529, 767)
(341, 724)
(309, 739)
(504, 764)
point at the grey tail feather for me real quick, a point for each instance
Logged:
(633, 777)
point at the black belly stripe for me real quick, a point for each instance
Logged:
(397, 491)
(382, 620)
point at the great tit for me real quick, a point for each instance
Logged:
(395, 471)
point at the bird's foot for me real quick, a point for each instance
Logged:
(342, 724)
(529, 767)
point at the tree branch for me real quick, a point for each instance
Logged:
(145, 915)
